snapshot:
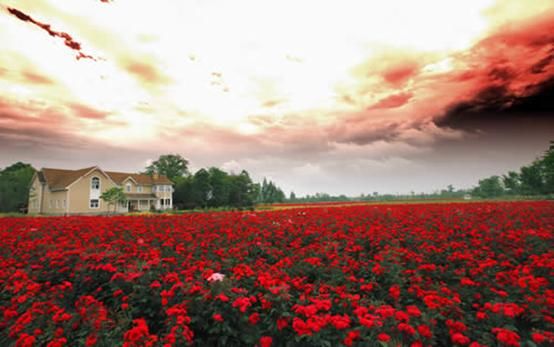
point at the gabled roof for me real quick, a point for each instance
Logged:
(120, 177)
(60, 179)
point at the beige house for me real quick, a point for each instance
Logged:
(57, 191)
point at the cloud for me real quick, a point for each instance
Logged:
(36, 78)
(231, 166)
(146, 72)
(392, 101)
(83, 111)
(68, 40)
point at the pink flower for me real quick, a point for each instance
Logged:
(216, 277)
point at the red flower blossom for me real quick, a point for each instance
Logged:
(266, 341)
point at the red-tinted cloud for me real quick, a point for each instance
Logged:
(35, 78)
(399, 74)
(83, 111)
(68, 40)
(392, 101)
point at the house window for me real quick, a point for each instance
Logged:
(57, 203)
(139, 189)
(167, 188)
(94, 203)
(128, 187)
(154, 189)
(95, 183)
(167, 202)
(161, 202)
(64, 204)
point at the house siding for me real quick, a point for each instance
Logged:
(35, 196)
(79, 194)
(53, 202)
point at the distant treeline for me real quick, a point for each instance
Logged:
(215, 188)
(534, 180)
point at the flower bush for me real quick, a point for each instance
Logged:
(470, 274)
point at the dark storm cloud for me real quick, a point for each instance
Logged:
(68, 40)
(496, 105)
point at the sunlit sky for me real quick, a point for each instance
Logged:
(335, 96)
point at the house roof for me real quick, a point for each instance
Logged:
(60, 178)
(120, 177)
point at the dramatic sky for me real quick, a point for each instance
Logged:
(332, 96)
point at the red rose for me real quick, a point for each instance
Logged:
(383, 337)
(254, 318)
(266, 341)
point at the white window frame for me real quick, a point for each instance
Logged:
(139, 189)
(97, 204)
(168, 202)
(92, 185)
(128, 187)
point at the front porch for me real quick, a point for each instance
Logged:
(140, 202)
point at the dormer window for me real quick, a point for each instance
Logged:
(139, 189)
(95, 183)
(128, 187)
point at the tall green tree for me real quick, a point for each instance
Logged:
(512, 182)
(531, 179)
(114, 196)
(242, 193)
(170, 165)
(489, 187)
(15, 181)
(220, 187)
(201, 188)
(548, 169)
(183, 196)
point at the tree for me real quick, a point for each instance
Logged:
(219, 182)
(548, 169)
(489, 187)
(531, 179)
(14, 186)
(511, 182)
(170, 165)
(292, 196)
(114, 196)
(183, 195)
(242, 192)
(201, 188)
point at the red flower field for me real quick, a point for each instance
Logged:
(468, 274)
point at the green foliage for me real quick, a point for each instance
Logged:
(512, 183)
(490, 187)
(113, 196)
(270, 193)
(170, 165)
(14, 186)
(214, 188)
